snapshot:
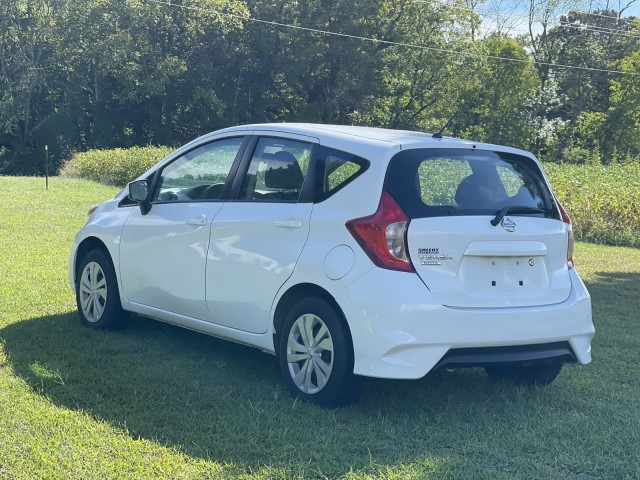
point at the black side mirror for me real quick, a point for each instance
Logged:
(138, 191)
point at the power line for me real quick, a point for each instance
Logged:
(525, 6)
(526, 18)
(591, 28)
(383, 42)
(620, 19)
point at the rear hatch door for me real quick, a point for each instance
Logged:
(467, 262)
(485, 230)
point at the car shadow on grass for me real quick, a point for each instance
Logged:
(225, 402)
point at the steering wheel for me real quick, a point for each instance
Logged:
(213, 192)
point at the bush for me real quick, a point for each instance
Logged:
(113, 167)
(603, 201)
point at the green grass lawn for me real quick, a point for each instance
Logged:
(155, 401)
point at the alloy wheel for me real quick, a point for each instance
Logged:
(310, 353)
(93, 291)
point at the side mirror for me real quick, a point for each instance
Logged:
(138, 191)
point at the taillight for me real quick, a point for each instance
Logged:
(570, 239)
(383, 235)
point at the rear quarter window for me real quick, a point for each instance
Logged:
(444, 182)
(336, 169)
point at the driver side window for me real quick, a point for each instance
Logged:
(199, 174)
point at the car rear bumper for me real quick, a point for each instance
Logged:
(398, 333)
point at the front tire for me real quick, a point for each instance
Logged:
(316, 354)
(97, 294)
(540, 374)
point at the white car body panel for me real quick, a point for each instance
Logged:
(105, 226)
(226, 277)
(255, 245)
(262, 341)
(163, 256)
(481, 265)
(404, 332)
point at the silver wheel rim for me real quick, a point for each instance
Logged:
(93, 291)
(310, 353)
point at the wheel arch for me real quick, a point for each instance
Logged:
(295, 294)
(88, 244)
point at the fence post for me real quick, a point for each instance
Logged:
(46, 166)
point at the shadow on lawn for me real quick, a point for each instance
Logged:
(221, 401)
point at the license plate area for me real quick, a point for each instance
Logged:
(504, 276)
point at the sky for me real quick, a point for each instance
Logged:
(512, 16)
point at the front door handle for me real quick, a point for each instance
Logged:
(199, 221)
(289, 223)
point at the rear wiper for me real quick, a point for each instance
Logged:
(514, 209)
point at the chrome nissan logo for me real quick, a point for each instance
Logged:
(508, 224)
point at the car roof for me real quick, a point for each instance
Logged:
(349, 137)
(405, 139)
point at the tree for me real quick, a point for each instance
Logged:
(501, 102)
(568, 97)
(622, 125)
(24, 53)
(422, 84)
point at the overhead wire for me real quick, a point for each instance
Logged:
(383, 42)
(526, 18)
(591, 28)
(620, 19)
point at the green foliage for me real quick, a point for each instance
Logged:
(576, 154)
(581, 103)
(496, 108)
(78, 74)
(113, 167)
(419, 88)
(603, 201)
(588, 131)
(623, 119)
(440, 178)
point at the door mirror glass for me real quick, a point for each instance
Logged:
(138, 190)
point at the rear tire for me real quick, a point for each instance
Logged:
(540, 374)
(97, 294)
(316, 355)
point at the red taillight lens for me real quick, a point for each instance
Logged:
(383, 235)
(570, 240)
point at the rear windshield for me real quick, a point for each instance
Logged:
(444, 182)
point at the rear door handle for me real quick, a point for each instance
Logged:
(199, 221)
(289, 223)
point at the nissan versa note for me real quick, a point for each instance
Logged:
(347, 252)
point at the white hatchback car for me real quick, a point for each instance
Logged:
(347, 252)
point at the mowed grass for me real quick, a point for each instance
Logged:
(155, 401)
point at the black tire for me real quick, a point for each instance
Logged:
(540, 374)
(323, 371)
(97, 294)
